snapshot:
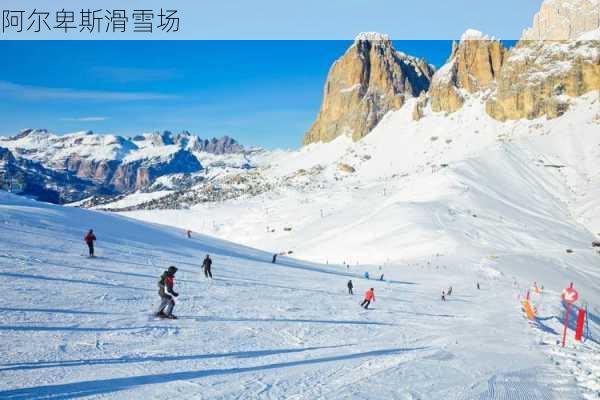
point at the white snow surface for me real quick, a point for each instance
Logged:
(448, 200)
(52, 150)
(416, 187)
(591, 35)
(152, 152)
(74, 327)
(371, 36)
(473, 34)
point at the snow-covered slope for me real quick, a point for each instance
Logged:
(74, 327)
(436, 185)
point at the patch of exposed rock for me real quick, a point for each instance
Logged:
(346, 168)
(472, 67)
(369, 80)
(539, 76)
(564, 20)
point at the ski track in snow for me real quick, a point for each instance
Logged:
(75, 327)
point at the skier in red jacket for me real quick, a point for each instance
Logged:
(369, 296)
(90, 238)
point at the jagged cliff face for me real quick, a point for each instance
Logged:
(539, 76)
(31, 178)
(369, 80)
(551, 63)
(564, 20)
(553, 60)
(558, 58)
(473, 66)
(140, 174)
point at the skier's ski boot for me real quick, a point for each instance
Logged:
(171, 316)
(161, 314)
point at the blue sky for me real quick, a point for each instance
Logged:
(263, 93)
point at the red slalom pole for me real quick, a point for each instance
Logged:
(566, 324)
(580, 323)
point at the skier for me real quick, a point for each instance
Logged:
(189, 234)
(443, 296)
(366, 275)
(206, 264)
(449, 291)
(90, 238)
(274, 260)
(369, 295)
(167, 294)
(350, 287)
(478, 288)
(381, 277)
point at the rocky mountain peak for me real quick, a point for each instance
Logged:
(550, 64)
(564, 20)
(371, 37)
(472, 67)
(28, 132)
(369, 80)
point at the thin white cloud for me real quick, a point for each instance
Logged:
(27, 92)
(85, 119)
(132, 74)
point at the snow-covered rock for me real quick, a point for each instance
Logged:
(472, 67)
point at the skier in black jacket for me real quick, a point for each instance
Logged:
(206, 264)
(167, 294)
(350, 287)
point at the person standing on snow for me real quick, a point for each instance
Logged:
(449, 291)
(167, 294)
(369, 296)
(443, 296)
(206, 264)
(90, 238)
(274, 260)
(350, 287)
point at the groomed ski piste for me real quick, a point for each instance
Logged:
(509, 201)
(74, 327)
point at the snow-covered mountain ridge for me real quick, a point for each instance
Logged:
(114, 165)
(433, 175)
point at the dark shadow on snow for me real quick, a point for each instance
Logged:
(52, 311)
(47, 278)
(30, 328)
(302, 321)
(106, 386)
(429, 315)
(132, 360)
(545, 328)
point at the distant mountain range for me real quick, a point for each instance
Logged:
(556, 61)
(66, 168)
